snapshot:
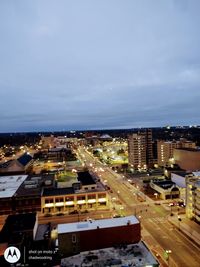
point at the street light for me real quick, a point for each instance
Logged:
(156, 195)
(121, 208)
(168, 252)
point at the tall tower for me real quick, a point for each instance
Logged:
(140, 149)
(149, 147)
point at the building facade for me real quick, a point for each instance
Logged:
(83, 195)
(69, 201)
(193, 197)
(188, 159)
(22, 193)
(165, 189)
(140, 150)
(165, 150)
(99, 234)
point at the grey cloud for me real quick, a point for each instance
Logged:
(92, 64)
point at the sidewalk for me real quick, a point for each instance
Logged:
(186, 226)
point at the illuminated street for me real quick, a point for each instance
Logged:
(157, 232)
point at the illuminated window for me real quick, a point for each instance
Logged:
(60, 199)
(69, 199)
(48, 200)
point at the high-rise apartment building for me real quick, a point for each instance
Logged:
(193, 197)
(140, 149)
(149, 147)
(166, 150)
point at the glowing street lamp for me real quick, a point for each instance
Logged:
(156, 195)
(168, 252)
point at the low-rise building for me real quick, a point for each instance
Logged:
(83, 195)
(22, 193)
(48, 141)
(19, 165)
(99, 234)
(8, 187)
(28, 196)
(18, 231)
(136, 254)
(17, 228)
(165, 188)
(179, 179)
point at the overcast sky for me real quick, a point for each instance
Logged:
(92, 64)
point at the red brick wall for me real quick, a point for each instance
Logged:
(108, 237)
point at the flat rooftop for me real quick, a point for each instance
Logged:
(166, 184)
(33, 185)
(189, 149)
(86, 178)
(15, 225)
(197, 173)
(180, 173)
(58, 191)
(137, 255)
(10, 184)
(92, 225)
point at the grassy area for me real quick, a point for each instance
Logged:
(66, 176)
(119, 161)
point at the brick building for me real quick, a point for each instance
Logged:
(99, 234)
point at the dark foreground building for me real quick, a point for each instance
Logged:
(74, 238)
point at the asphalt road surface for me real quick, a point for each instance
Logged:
(159, 234)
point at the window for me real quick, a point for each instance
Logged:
(81, 198)
(48, 200)
(69, 199)
(73, 238)
(102, 196)
(91, 196)
(60, 199)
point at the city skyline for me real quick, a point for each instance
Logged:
(91, 65)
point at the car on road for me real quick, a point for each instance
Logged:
(117, 216)
(173, 204)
